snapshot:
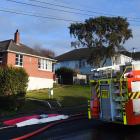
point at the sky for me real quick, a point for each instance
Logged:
(54, 34)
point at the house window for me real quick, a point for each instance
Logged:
(76, 66)
(19, 60)
(1, 57)
(81, 63)
(42, 64)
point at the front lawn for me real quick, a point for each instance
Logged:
(67, 95)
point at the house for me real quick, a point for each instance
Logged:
(38, 66)
(77, 60)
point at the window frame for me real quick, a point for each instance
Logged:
(19, 60)
(42, 64)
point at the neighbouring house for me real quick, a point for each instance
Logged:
(38, 66)
(77, 60)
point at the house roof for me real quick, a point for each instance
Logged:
(76, 54)
(135, 55)
(4, 45)
(10, 45)
(82, 53)
(127, 53)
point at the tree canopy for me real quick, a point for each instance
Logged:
(107, 34)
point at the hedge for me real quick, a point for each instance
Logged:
(65, 75)
(13, 85)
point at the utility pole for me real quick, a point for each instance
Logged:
(132, 53)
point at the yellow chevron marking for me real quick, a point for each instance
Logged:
(98, 93)
(96, 86)
(129, 94)
(138, 95)
(97, 90)
(133, 95)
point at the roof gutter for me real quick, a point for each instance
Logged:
(33, 55)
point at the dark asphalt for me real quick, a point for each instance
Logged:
(65, 129)
(90, 130)
(82, 129)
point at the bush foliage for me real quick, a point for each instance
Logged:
(65, 75)
(13, 85)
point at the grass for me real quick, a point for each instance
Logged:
(67, 95)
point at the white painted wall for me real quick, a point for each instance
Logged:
(136, 106)
(136, 65)
(121, 59)
(125, 59)
(80, 78)
(38, 83)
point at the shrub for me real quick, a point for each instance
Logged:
(65, 75)
(13, 85)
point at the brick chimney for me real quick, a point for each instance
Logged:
(17, 37)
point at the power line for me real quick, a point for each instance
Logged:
(62, 6)
(34, 5)
(82, 10)
(11, 11)
(37, 16)
(28, 14)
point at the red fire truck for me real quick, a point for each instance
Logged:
(116, 96)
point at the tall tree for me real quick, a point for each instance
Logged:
(106, 34)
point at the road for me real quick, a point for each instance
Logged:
(64, 130)
(82, 129)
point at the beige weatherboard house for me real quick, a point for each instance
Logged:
(38, 66)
